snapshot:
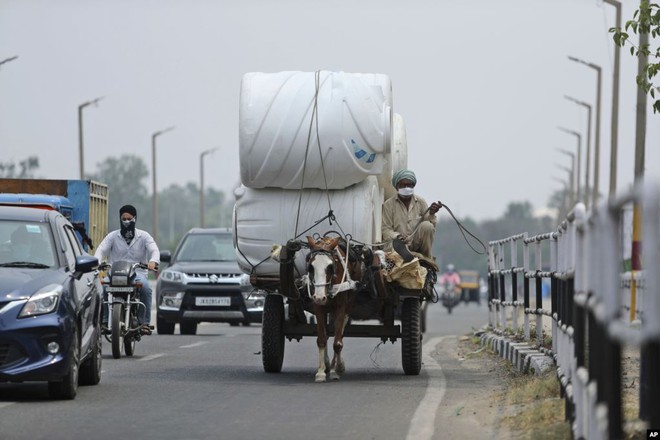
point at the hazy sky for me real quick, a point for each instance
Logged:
(479, 83)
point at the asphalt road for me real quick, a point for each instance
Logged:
(212, 386)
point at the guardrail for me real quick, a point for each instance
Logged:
(592, 307)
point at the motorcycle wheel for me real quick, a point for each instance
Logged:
(116, 333)
(129, 339)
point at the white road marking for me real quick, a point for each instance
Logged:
(6, 404)
(422, 424)
(152, 357)
(196, 344)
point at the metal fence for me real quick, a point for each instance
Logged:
(575, 287)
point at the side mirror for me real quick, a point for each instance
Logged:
(165, 256)
(85, 264)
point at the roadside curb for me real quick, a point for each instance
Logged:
(521, 355)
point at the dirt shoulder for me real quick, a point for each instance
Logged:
(487, 398)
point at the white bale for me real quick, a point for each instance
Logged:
(264, 217)
(275, 115)
(397, 159)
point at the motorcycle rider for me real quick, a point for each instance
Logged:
(450, 277)
(408, 217)
(136, 246)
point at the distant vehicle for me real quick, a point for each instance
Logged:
(50, 303)
(470, 287)
(203, 283)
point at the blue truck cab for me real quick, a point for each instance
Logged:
(83, 202)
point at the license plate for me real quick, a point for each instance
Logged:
(119, 289)
(213, 301)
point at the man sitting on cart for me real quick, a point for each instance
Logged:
(408, 217)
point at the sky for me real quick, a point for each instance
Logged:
(480, 85)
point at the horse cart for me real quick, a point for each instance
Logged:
(354, 290)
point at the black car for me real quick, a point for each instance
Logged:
(203, 283)
(50, 303)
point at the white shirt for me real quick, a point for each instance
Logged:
(142, 249)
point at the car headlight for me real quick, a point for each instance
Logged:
(44, 301)
(245, 280)
(172, 276)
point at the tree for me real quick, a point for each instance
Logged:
(646, 20)
(27, 168)
(126, 179)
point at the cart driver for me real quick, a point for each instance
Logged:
(408, 217)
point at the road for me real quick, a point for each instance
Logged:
(212, 386)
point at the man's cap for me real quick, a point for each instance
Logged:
(128, 209)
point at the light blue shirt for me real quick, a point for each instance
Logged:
(142, 249)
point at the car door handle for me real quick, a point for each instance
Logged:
(90, 283)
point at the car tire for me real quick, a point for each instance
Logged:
(67, 388)
(188, 327)
(164, 327)
(90, 370)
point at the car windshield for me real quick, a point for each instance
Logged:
(26, 244)
(207, 247)
(468, 277)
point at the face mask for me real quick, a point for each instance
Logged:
(128, 229)
(406, 192)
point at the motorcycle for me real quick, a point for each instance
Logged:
(124, 306)
(450, 295)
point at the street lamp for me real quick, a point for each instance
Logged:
(154, 207)
(615, 101)
(571, 179)
(598, 70)
(6, 60)
(564, 203)
(201, 184)
(81, 154)
(579, 157)
(586, 178)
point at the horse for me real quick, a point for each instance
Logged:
(332, 286)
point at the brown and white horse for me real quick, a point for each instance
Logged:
(331, 285)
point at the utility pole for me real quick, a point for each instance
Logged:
(201, 184)
(81, 149)
(154, 197)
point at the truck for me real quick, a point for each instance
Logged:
(83, 202)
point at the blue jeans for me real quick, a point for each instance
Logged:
(144, 313)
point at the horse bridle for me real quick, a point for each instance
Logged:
(310, 270)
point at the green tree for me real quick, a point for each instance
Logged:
(24, 170)
(646, 20)
(126, 178)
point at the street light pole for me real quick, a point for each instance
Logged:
(154, 197)
(571, 178)
(6, 60)
(615, 102)
(586, 178)
(572, 156)
(81, 149)
(579, 157)
(201, 184)
(598, 70)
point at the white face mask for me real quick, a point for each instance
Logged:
(406, 192)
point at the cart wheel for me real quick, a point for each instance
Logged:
(272, 334)
(411, 337)
(422, 322)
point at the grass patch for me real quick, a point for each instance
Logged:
(534, 408)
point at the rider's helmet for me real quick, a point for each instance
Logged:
(450, 267)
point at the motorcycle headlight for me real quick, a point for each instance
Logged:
(172, 276)
(43, 301)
